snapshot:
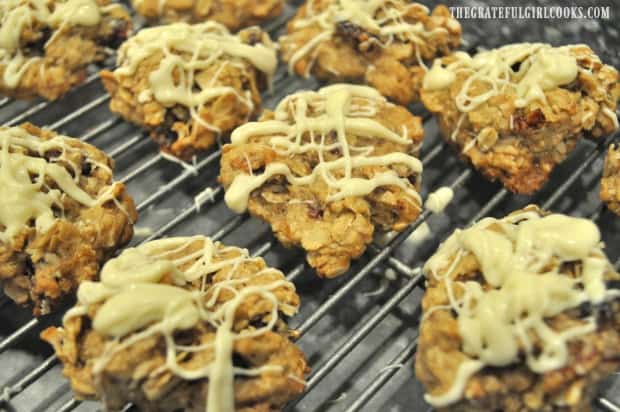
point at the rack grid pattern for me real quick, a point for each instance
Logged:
(358, 331)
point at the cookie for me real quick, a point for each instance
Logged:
(61, 215)
(520, 314)
(234, 15)
(518, 111)
(610, 183)
(187, 85)
(47, 45)
(325, 169)
(183, 324)
(383, 44)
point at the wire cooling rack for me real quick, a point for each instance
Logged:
(358, 331)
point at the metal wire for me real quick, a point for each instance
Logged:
(121, 148)
(39, 107)
(79, 112)
(142, 168)
(231, 225)
(100, 128)
(384, 376)
(18, 334)
(73, 403)
(361, 333)
(593, 154)
(608, 405)
(378, 258)
(32, 376)
(409, 351)
(331, 362)
(187, 173)
(70, 405)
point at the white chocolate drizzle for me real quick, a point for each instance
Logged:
(345, 109)
(186, 50)
(438, 200)
(419, 235)
(526, 70)
(383, 19)
(135, 305)
(15, 15)
(25, 197)
(521, 258)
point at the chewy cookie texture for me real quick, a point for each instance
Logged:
(610, 183)
(520, 314)
(234, 14)
(183, 324)
(518, 111)
(326, 168)
(379, 43)
(61, 215)
(46, 45)
(189, 84)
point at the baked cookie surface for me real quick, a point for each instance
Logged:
(46, 45)
(234, 14)
(520, 314)
(610, 183)
(325, 169)
(61, 215)
(379, 43)
(518, 111)
(183, 324)
(188, 84)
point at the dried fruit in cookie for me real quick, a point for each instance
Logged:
(518, 111)
(520, 314)
(46, 45)
(189, 84)
(381, 43)
(61, 215)
(183, 324)
(325, 168)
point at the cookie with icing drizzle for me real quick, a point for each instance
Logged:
(381, 43)
(520, 314)
(610, 183)
(234, 14)
(518, 111)
(326, 168)
(61, 215)
(183, 324)
(47, 45)
(189, 84)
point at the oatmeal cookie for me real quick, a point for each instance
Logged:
(188, 84)
(520, 314)
(518, 111)
(610, 184)
(46, 45)
(380, 43)
(61, 215)
(234, 15)
(183, 324)
(325, 168)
